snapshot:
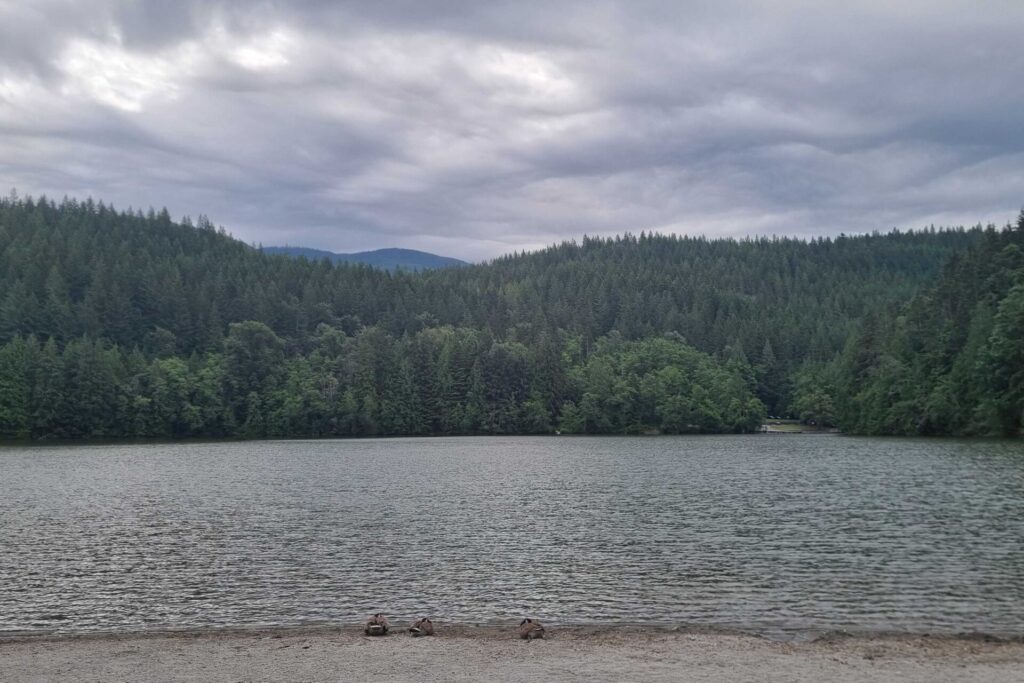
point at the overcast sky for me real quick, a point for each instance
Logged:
(476, 128)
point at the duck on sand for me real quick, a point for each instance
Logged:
(422, 627)
(377, 625)
(530, 629)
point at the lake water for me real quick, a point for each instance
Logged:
(781, 535)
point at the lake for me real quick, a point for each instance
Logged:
(782, 535)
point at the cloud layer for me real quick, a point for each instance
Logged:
(473, 129)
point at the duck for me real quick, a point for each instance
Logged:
(422, 627)
(530, 629)
(377, 625)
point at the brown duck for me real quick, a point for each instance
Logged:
(377, 625)
(530, 629)
(422, 627)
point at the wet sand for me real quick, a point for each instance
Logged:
(466, 653)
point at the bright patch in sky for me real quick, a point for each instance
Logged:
(108, 73)
(263, 52)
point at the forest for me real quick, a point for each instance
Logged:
(124, 324)
(948, 362)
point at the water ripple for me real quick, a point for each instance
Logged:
(772, 534)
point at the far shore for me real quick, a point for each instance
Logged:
(492, 652)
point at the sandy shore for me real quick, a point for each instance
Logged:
(465, 653)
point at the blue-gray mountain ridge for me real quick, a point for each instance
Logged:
(387, 259)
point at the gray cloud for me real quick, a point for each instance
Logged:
(473, 129)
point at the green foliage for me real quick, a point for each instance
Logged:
(814, 395)
(16, 363)
(951, 361)
(659, 384)
(1003, 360)
(123, 324)
(366, 385)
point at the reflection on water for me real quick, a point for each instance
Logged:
(769, 533)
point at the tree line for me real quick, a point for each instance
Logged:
(124, 323)
(948, 362)
(441, 380)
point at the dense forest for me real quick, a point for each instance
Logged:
(124, 324)
(948, 362)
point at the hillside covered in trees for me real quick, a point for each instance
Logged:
(951, 361)
(119, 324)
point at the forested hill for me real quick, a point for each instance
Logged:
(951, 361)
(127, 324)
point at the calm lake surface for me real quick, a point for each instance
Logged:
(781, 535)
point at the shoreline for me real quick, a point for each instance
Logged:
(199, 440)
(493, 652)
(100, 442)
(498, 630)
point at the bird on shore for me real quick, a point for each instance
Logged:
(377, 625)
(530, 629)
(422, 627)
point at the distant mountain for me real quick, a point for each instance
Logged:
(388, 259)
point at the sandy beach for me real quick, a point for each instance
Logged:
(467, 653)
